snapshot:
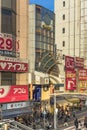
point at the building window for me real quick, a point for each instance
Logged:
(63, 43)
(63, 16)
(63, 3)
(8, 23)
(8, 78)
(63, 30)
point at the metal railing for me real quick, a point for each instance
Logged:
(12, 124)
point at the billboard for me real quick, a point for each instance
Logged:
(70, 80)
(13, 66)
(13, 93)
(69, 63)
(79, 62)
(82, 74)
(82, 78)
(9, 46)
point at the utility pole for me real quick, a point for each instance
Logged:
(55, 116)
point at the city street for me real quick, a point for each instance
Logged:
(80, 116)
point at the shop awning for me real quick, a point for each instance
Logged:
(73, 100)
(63, 102)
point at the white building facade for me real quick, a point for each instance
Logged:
(67, 26)
(70, 27)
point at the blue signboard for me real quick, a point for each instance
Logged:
(37, 93)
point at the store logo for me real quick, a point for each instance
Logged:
(4, 90)
(3, 65)
(1, 91)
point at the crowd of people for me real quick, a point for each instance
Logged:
(63, 116)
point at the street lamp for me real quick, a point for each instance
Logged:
(55, 113)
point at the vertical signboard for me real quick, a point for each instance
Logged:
(69, 63)
(70, 73)
(82, 77)
(70, 80)
(79, 62)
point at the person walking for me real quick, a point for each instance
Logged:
(65, 121)
(76, 123)
(79, 125)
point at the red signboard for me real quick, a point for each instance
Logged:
(69, 63)
(70, 80)
(79, 62)
(82, 74)
(13, 93)
(13, 66)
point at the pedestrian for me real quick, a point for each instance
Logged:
(74, 114)
(79, 125)
(76, 123)
(65, 121)
(85, 122)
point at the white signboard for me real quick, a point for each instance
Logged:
(17, 105)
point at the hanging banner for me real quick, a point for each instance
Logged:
(70, 80)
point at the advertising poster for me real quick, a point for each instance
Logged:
(82, 78)
(70, 80)
(69, 63)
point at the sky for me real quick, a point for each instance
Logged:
(49, 4)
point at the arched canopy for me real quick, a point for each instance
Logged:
(49, 64)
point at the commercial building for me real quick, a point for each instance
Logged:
(13, 57)
(43, 63)
(70, 37)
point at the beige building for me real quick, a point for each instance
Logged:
(22, 35)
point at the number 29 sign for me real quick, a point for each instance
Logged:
(8, 43)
